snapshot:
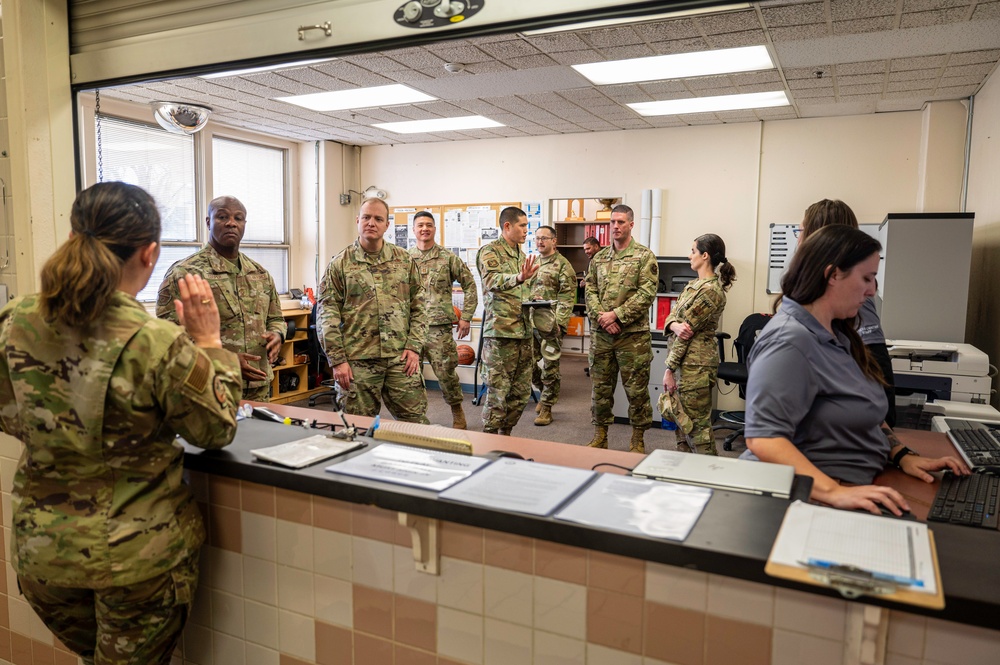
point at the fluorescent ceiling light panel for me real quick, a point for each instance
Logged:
(587, 25)
(359, 98)
(439, 125)
(265, 68)
(678, 65)
(753, 100)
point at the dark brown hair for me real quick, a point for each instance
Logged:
(510, 215)
(714, 246)
(110, 221)
(621, 207)
(824, 213)
(841, 247)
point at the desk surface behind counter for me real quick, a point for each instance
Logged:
(733, 537)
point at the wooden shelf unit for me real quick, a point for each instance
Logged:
(297, 344)
(570, 233)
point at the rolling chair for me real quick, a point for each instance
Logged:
(319, 365)
(736, 372)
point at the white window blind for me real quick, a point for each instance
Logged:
(254, 174)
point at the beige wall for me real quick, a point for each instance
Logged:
(983, 326)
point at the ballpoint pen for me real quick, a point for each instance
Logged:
(861, 572)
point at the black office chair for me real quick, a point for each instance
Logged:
(736, 372)
(319, 366)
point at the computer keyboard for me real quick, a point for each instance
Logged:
(967, 500)
(980, 445)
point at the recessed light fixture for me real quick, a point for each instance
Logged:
(359, 98)
(678, 65)
(439, 125)
(604, 23)
(265, 68)
(753, 100)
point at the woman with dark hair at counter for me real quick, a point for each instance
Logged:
(105, 532)
(827, 212)
(693, 359)
(815, 397)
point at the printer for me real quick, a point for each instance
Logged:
(941, 370)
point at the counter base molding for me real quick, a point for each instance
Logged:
(426, 553)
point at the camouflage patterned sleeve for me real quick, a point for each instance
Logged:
(275, 320)
(591, 295)
(417, 335)
(199, 390)
(567, 293)
(168, 293)
(460, 273)
(330, 296)
(697, 313)
(9, 418)
(489, 264)
(638, 304)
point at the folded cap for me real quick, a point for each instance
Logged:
(544, 321)
(670, 406)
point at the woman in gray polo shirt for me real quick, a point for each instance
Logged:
(815, 396)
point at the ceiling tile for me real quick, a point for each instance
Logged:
(940, 17)
(928, 5)
(738, 39)
(760, 87)
(746, 115)
(974, 57)
(913, 74)
(870, 67)
(841, 10)
(666, 121)
(863, 25)
(576, 57)
(531, 62)
(728, 22)
(598, 126)
(801, 84)
(956, 92)
(748, 78)
(680, 46)
(491, 67)
(918, 84)
(982, 71)
(813, 12)
(926, 62)
(859, 89)
(510, 49)
(618, 36)
(661, 87)
(700, 119)
(463, 54)
(949, 81)
(708, 82)
(813, 93)
(805, 72)
(417, 58)
(408, 76)
(775, 113)
(557, 42)
(683, 28)
(862, 79)
(986, 11)
(799, 32)
(627, 52)
(374, 63)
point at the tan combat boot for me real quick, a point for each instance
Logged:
(538, 408)
(544, 414)
(600, 437)
(457, 416)
(637, 444)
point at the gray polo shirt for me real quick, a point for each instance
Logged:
(805, 386)
(869, 325)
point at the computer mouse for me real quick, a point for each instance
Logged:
(992, 469)
(497, 454)
(907, 515)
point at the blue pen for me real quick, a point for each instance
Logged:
(848, 569)
(375, 423)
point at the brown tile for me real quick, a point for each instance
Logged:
(730, 641)
(224, 492)
(614, 620)
(373, 611)
(20, 649)
(4, 641)
(617, 573)
(403, 535)
(374, 523)
(293, 506)
(42, 654)
(448, 661)
(333, 645)
(4, 611)
(331, 514)
(370, 650)
(257, 498)
(416, 623)
(674, 635)
(505, 550)
(462, 542)
(285, 659)
(408, 656)
(560, 562)
(66, 658)
(3, 577)
(224, 529)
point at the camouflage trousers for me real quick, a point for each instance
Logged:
(137, 624)
(442, 353)
(384, 379)
(694, 389)
(507, 374)
(545, 377)
(631, 354)
(258, 394)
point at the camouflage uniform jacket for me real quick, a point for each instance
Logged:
(439, 269)
(700, 305)
(499, 264)
(555, 280)
(99, 499)
(622, 282)
(371, 306)
(246, 297)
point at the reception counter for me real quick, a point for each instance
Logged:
(306, 567)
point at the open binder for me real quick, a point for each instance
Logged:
(858, 554)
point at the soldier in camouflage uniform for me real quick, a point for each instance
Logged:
(373, 322)
(439, 269)
(694, 351)
(621, 285)
(506, 359)
(252, 324)
(105, 533)
(555, 280)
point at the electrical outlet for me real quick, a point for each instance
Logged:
(345, 199)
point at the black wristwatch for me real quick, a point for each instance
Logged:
(898, 457)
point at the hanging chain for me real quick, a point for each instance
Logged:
(100, 151)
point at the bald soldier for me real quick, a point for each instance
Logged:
(621, 285)
(439, 269)
(252, 325)
(373, 322)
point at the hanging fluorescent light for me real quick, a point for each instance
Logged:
(604, 23)
(439, 125)
(265, 68)
(678, 65)
(359, 98)
(753, 100)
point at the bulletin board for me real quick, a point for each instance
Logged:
(462, 228)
